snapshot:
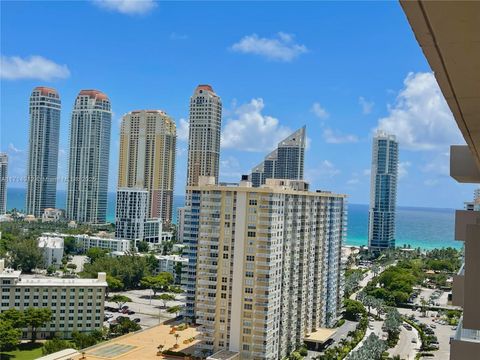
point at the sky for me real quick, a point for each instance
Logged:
(343, 69)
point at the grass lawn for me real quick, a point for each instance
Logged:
(25, 351)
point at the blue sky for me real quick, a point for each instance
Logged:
(343, 69)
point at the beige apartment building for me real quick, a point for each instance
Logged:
(147, 158)
(205, 122)
(76, 304)
(268, 265)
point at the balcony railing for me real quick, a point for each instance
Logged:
(467, 334)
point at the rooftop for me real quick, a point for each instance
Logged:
(50, 242)
(45, 91)
(142, 344)
(93, 94)
(320, 336)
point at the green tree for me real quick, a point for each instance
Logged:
(16, 317)
(174, 310)
(142, 246)
(166, 297)
(114, 284)
(25, 255)
(51, 270)
(391, 325)
(72, 266)
(70, 245)
(54, 345)
(84, 340)
(353, 310)
(125, 326)
(35, 318)
(9, 336)
(159, 282)
(129, 269)
(95, 254)
(120, 300)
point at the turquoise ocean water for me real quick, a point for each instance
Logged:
(426, 228)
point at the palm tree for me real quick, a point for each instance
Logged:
(176, 338)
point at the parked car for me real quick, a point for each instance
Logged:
(137, 320)
(433, 326)
(124, 307)
(408, 327)
(130, 312)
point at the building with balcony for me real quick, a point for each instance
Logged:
(269, 269)
(448, 33)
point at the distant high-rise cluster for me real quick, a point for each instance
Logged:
(3, 182)
(89, 157)
(383, 192)
(285, 162)
(147, 158)
(45, 107)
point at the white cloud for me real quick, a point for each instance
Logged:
(367, 172)
(32, 67)
(319, 111)
(128, 7)
(230, 168)
(279, 48)
(403, 169)
(438, 165)
(333, 137)
(13, 150)
(367, 106)
(251, 130)
(420, 117)
(182, 130)
(324, 170)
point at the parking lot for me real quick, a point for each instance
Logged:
(149, 310)
(443, 332)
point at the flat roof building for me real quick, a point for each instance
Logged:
(76, 304)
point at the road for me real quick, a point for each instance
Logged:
(405, 347)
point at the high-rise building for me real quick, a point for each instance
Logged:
(147, 158)
(89, 157)
(45, 107)
(269, 265)
(3, 182)
(205, 123)
(285, 162)
(383, 192)
(130, 213)
(180, 223)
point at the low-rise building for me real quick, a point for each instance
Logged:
(86, 242)
(52, 248)
(52, 215)
(76, 304)
(172, 264)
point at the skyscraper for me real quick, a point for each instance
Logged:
(147, 158)
(383, 192)
(205, 122)
(89, 157)
(3, 182)
(44, 135)
(270, 270)
(285, 162)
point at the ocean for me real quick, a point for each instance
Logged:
(426, 228)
